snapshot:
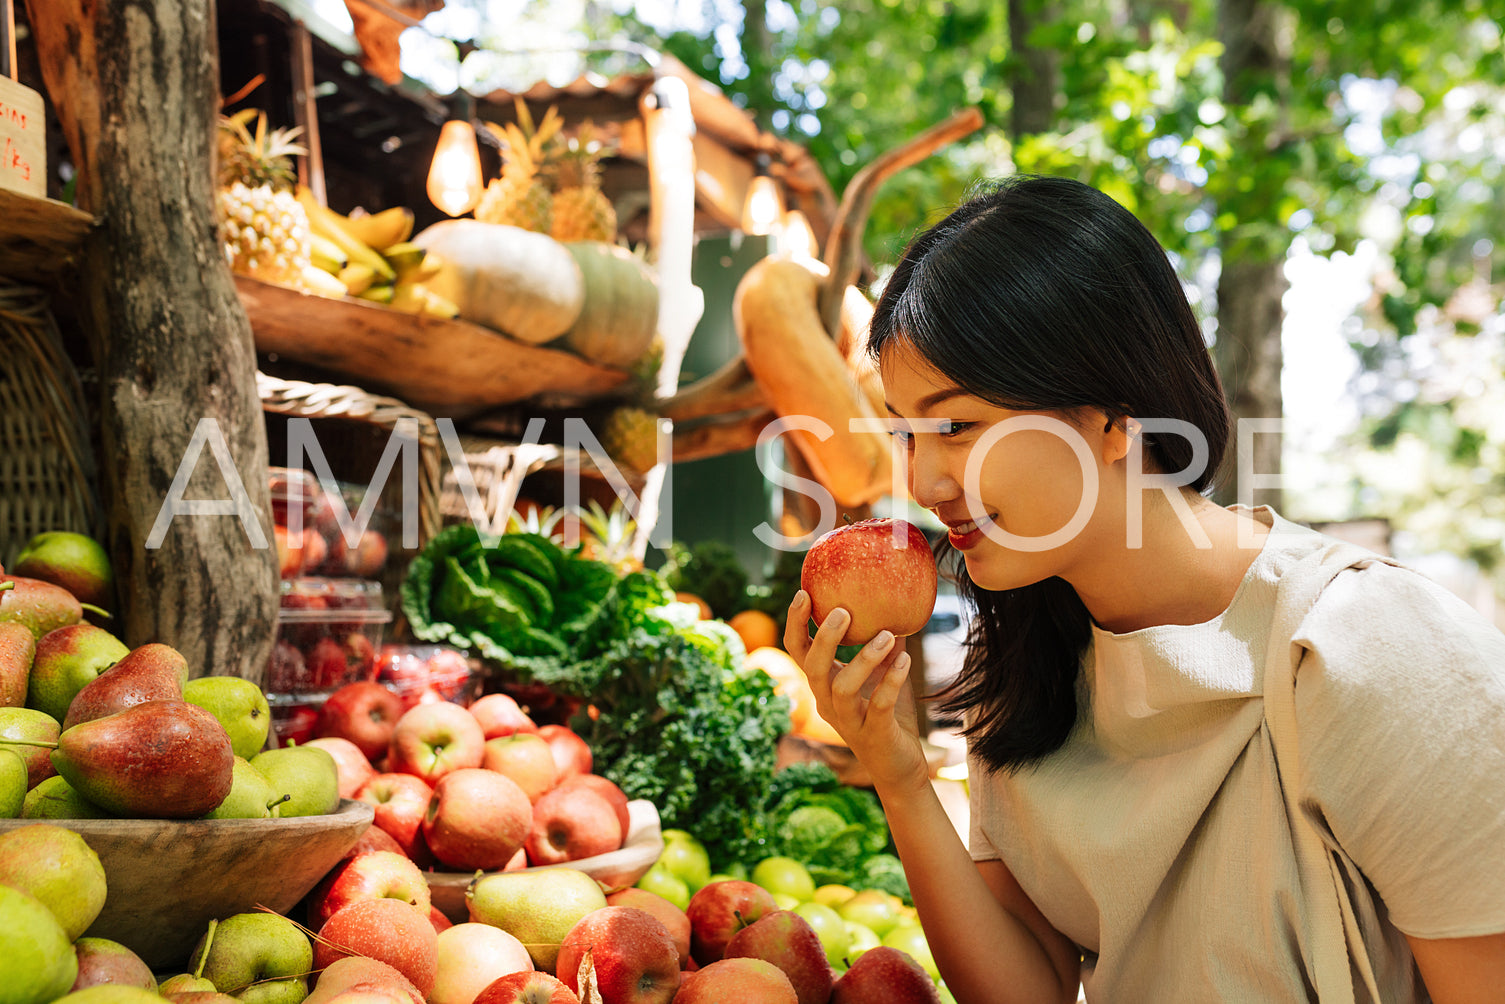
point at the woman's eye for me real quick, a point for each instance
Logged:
(903, 437)
(950, 428)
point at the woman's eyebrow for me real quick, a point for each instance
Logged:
(931, 400)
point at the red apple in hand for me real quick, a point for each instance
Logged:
(570, 824)
(363, 712)
(401, 801)
(500, 715)
(433, 739)
(572, 754)
(476, 818)
(881, 582)
(634, 956)
(721, 909)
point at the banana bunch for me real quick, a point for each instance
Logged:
(371, 257)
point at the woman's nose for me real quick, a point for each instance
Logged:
(930, 482)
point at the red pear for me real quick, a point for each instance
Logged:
(153, 672)
(39, 605)
(158, 760)
(18, 646)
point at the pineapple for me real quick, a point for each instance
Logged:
(582, 212)
(262, 227)
(611, 535)
(630, 437)
(520, 197)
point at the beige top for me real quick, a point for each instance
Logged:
(1157, 837)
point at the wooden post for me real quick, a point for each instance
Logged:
(306, 111)
(135, 87)
(8, 40)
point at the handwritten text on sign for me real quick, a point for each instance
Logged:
(23, 152)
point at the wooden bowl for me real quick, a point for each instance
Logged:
(166, 878)
(615, 870)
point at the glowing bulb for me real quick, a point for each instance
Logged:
(454, 183)
(763, 206)
(796, 238)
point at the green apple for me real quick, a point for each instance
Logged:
(829, 928)
(780, 874)
(239, 705)
(859, 939)
(55, 798)
(786, 901)
(661, 880)
(306, 773)
(686, 857)
(12, 783)
(537, 908)
(67, 659)
(59, 868)
(252, 795)
(39, 961)
(910, 939)
(72, 560)
(874, 909)
(264, 949)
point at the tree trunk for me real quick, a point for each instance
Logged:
(136, 89)
(1250, 314)
(1034, 73)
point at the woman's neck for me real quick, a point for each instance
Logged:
(1186, 571)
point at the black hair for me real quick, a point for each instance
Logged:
(1044, 294)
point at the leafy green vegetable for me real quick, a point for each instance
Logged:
(710, 570)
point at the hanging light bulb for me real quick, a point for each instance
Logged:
(454, 183)
(763, 206)
(796, 237)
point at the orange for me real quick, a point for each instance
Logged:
(755, 628)
(705, 608)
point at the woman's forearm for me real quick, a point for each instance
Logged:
(986, 954)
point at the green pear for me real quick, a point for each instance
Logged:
(158, 760)
(264, 949)
(59, 868)
(12, 783)
(54, 798)
(102, 961)
(110, 993)
(32, 727)
(72, 560)
(251, 795)
(66, 661)
(307, 773)
(153, 672)
(239, 705)
(18, 647)
(36, 954)
(40, 606)
(537, 908)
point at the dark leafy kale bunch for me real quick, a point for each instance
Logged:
(710, 570)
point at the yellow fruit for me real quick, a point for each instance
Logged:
(383, 229)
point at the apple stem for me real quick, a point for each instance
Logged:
(208, 943)
(7, 584)
(29, 742)
(846, 517)
(278, 801)
(98, 611)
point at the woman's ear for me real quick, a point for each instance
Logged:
(1119, 433)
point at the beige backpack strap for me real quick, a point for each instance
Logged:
(1338, 940)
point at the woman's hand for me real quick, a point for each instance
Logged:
(861, 699)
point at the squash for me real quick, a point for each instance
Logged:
(523, 284)
(802, 373)
(620, 315)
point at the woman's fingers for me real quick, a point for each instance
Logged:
(849, 682)
(796, 627)
(886, 694)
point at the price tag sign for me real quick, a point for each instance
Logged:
(23, 152)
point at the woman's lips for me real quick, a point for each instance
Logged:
(965, 536)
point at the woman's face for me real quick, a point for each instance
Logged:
(1009, 485)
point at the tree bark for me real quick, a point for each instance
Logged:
(1252, 282)
(135, 86)
(1034, 73)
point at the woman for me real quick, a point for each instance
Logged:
(1154, 815)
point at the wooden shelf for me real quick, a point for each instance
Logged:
(451, 369)
(38, 237)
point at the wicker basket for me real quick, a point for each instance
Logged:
(47, 476)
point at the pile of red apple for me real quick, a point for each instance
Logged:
(328, 631)
(318, 546)
(467, 788)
